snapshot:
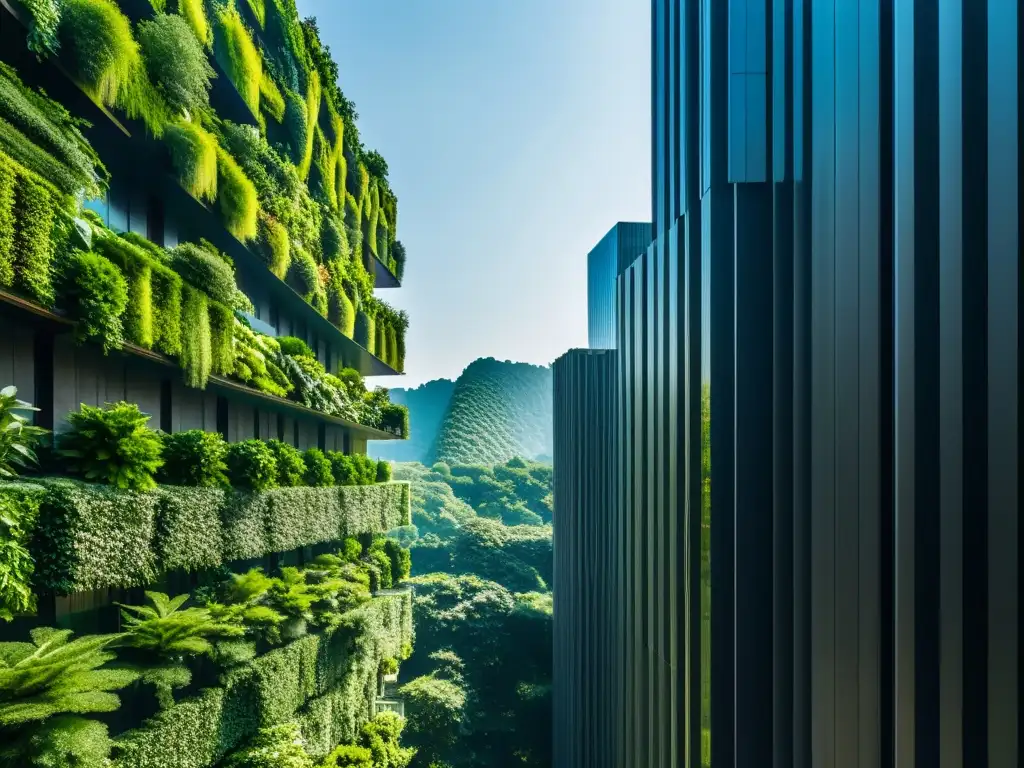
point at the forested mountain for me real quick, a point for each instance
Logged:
(499, 410)
(478, 686)
(496, 410)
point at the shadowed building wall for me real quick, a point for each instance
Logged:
(584, 490)
(610, 257)
(818, 398)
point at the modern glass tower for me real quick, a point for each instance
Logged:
(830, 310)
(610, 257)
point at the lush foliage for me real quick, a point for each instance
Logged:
(210, 272)
(45, 19)
(92, 537)
(251, 464)
(163, 635)
(45, 687)
(194, 156)
(49, 685)
(18, 437)
(318, 469)
(194, 13)
(291, 466)
(195, 458)
(176, 62)
(19, 507)
(279, 746)
(238, 55)
(112, 445)
(96, 41)
(61, 153)
(94, 293)
(237, 198)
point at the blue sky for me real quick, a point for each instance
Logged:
(516, 132)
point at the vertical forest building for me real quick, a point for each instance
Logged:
(815, 544)
(194, 240)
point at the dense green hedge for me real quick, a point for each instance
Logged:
(326, 682)
(91, 537)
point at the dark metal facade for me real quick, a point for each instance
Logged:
(584, 489)
(819, 382)
(609, 258)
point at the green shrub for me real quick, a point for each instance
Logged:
(279, 746)
(400, 557)
(238, 55)
(194, 158)
(45, 19)
(93, 537)
(206, 271)
(94, 294)
(176, 62)
(313, 97)
(8, 223)
(381, 736)
(222, 339)
(342, 468)
(346, 318)
(275, 245)
(318, 469)
(366, 469)
(18, 437)
(351, 549)
(349, 756)
(271, 98)
(194, 458)
(383, 471)
(291, 466)
(364, 331)
(34, 209)
(48, 134)
(395, 417)
(19, 508)
(304, 276)
(392, 347)
(31, 158)
(97, 44)
(137, 268)
(112, 445)
(166, 297)
(236, 196)
(189, 535)
(294, 346)
(195, 14)
(196, 345)
(398, 254)
(381, 344)
(259, 10)
(380, 563)
(251, 464)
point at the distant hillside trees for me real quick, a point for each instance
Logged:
(478, 690)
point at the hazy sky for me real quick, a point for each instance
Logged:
(516, 132)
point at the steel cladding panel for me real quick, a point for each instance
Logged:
(836, 198)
